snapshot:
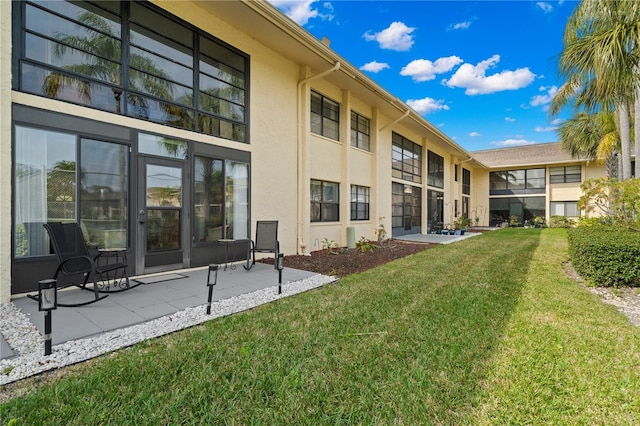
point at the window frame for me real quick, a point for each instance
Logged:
(517, 181)
(360, 133)
(323, 116)
(121, 95)
(360, 191)
(563, 175)
(466, 181)
(320, 205)
(406, 159)
(435, 170)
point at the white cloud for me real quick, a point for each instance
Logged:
(476, 82)
(474, 134)
(546, 7)
(301, 10)
(509, 119)
(460, 26)
(427, 105)
(374, 66)
(425, 70)
(397, 37)
(541, 129)
(512, 142)
(545, 98)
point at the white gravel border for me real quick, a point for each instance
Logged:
(28, 343)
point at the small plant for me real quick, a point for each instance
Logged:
(513, 220)
(365, 245)
(381, 234)
(7, 370)
(330, 245)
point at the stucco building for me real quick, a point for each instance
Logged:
(165, 126)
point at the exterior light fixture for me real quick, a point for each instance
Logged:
(279, 265)
(47, 302)
(210, 284)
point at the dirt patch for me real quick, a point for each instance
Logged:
(343, 261)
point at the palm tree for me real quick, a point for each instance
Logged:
(593, 136)
(599, 61)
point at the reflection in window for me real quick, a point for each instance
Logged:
(325, 201)
(435, 170)
(73, 51)
(406, 159)
(325, 116)
(359, 202)
(47, 178)
(162, 146)
(237, 199)
(523, 181)
(104, 193)
(208, 199)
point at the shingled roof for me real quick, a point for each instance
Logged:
(525, 155)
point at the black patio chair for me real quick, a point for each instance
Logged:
(107, 270)
(266, 241)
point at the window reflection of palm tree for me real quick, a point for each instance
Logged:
(102, 50)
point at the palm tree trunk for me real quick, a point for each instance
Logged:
(625, 139)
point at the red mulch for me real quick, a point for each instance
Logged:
(349, 261)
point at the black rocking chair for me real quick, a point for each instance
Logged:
(107, 270)
(266, 241)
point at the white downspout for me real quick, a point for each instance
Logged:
(301, 152)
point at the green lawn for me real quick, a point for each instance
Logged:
(484, 331)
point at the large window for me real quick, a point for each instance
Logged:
(565, 174)
(435, 170)
(522, 208)
(60, 177)
(466, 182)
(435, 206)
(360, 130)
(359, 202)
(529, 181)
(325, 201)
(128, 58)
(406, 208)
(564, 208)
(406, 159)
(325, 116)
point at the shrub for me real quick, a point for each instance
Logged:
(365, 245)
(561, 222)
(607, 256)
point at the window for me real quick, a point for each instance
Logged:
(360, 130)
(524, 208)
(565, 174)
(359, 202)
(130, 59)
(60, 177)
(435, 170)
(466, 182)
(406, 207)
(564, 208)
(455, 172)
(406, 159)
(325, 116)
(325, 201)
(529, 181)
(465, 207)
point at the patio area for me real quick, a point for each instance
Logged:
(168, 302)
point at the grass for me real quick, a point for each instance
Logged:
(485, 331)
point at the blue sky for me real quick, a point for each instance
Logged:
(481, 71)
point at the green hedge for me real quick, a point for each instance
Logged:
(608, 256)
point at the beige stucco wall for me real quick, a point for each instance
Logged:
(5, 151)
(273, 102)
(480, 195)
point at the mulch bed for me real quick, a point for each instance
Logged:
(349, 261)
